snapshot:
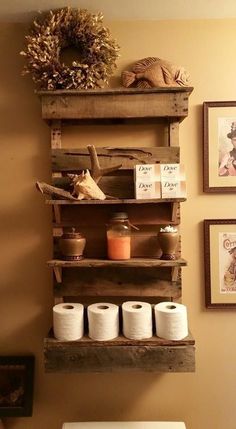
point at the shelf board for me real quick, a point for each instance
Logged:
(120, 354)
(119, 103)
(117, 201)
(133, 262)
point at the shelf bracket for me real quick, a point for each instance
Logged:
(58, 274)
(56, 134)
(174, 274)
(57, 213)
(174, 133)
(174, 211)
(57, 300)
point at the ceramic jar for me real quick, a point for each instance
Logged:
(72, 245)
(168, 241)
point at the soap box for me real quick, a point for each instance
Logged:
(173, 188)
(147, 189)
(147, 172)
(172, 171)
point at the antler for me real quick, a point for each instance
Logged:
(96, 171)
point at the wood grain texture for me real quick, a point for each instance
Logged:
(128, 281)
(115, 104)
(118, 355)
(67, 160)
(133, 262)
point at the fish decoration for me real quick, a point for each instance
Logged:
(154, 72)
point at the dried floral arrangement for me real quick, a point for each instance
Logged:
(63, 28)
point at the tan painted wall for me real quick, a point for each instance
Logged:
(203, 400)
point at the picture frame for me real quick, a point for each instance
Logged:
(219, 146)
(220, 263)
(16, 386)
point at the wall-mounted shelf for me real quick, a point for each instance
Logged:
(144, 276)
(117, 201)
(121, 354)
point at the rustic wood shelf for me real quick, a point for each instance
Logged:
(133, 262)
(117, 201)
(120, 354)
(118, 103)
(144, 276)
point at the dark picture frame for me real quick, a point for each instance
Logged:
(220, 263)
(16, 386)
(219, 151)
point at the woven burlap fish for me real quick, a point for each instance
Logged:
(153, 72)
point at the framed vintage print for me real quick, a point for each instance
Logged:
(220, 263)
(219, 146)
(16, 386)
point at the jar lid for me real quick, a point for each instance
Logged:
(72, 234)
(119, 216)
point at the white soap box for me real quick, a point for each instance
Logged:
(147, 189)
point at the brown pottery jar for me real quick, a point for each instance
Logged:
(168, 242)
(72, 245)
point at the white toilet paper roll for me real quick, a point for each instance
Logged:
(103, 321)
(68, 321)
(137, 320)
(171, 320)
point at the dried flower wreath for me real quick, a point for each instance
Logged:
(59, 30)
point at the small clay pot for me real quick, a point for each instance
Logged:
(72, 245)
(168, 242)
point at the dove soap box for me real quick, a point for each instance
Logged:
(173, 184)
(147, 189)
(172, 171)
(147, 172)
(173, 188)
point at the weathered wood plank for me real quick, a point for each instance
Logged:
(121, 354)
(133, 262)
(149, 214)
(67, 160)
(108, 281)
(173, 134)
(115, 104)
(56, 134)
(117, 201)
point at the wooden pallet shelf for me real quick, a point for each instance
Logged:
(121, 354)
(94, 278)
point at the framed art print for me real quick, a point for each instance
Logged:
(220, 263)
(219, 146)
(16, 386)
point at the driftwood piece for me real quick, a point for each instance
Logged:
(85, 185)
(96, 171)
(44, 188)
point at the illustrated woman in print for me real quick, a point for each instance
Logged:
(228, 163)
(230, 274)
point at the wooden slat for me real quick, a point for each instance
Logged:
(173, 102)
(129, 281)
(173, 134)
(117, 201)
(56, 134)
(65, 160)
(133, 262)
(149, 214)
(120, 354)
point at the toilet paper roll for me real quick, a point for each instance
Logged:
(103, 321)
(137, 320)
(171, 320)
(68, 321)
